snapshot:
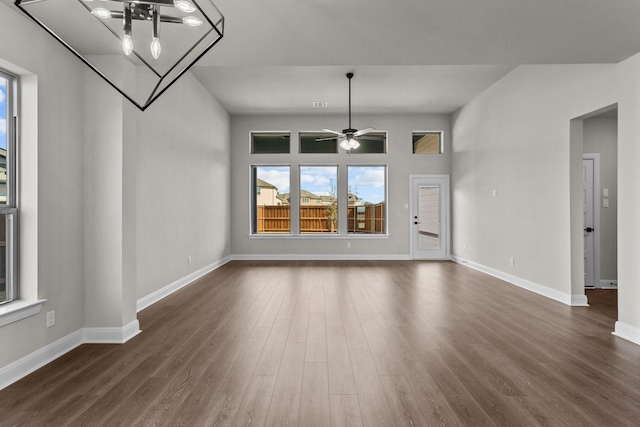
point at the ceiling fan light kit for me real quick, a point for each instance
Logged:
(348, 136)
(140, 47)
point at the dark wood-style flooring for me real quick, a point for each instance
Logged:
(371, 343)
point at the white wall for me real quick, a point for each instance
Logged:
(113, 199)
(628, 324)
(515, 138)
(400, 160)
(183, 185)
(51, 182)
(600, 135)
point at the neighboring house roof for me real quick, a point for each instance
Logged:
(284, 197)
(305, 193)
(264, 184)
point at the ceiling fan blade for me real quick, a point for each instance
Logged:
(370, 138)
(332, 131)
(364, 131)
(333, 138)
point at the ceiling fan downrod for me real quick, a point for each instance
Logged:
(350, 76)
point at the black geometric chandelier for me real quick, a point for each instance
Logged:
(140, 47)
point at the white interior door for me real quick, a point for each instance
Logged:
(589, 223)
(430, 216)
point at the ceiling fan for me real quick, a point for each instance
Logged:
(348, 135)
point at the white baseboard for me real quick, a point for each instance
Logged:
(568, 299)
(608, 284)
(31, 362)
(579, 301)
(319, 257)
(627, 332)
(28, 364)
(111, 335)
(156, 296)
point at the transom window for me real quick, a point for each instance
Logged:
(427, 142)
(270, 142)
(374, 142)
(318, 142)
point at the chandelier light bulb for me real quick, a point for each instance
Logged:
(101, 12)
(127, 44)
(155, 48)
(192, 21)
(184, 5)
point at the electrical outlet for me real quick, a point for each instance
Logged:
(189, 260)
(50, 318)
(348, 245)
(464, 248)
(512, 261)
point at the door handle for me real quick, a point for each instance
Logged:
(589, 229)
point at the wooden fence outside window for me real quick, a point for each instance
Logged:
(369, 219)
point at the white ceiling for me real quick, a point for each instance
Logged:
(425, 56)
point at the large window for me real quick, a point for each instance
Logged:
(366, 199)
(8, 200)
(271, 199)
(318, 199)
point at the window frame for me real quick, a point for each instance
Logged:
(385, 143)
(301, 199)
(253, 217)
(386, 198)
(305, 133)
(10, 207)
(269, 132)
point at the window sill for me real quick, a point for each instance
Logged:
(18, 310)
(276, 236)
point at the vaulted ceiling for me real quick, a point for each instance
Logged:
(423, 56)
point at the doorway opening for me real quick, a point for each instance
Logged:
(598, 144)
(429, 216)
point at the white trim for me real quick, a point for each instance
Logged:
(156, 296)
(627, 332)
(444, 181)
(111, 335)
(28, 364)
(39, 358)
(33, 361)
(545, 291)
(597, 206)
(579, 300)
(18, 310)
(608, 284)
(319, 257)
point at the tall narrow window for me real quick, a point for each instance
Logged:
(366, 210)
(271, 213)
(318, 199)
(8, 199)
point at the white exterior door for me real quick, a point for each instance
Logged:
(589, 223)
(429, 216)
